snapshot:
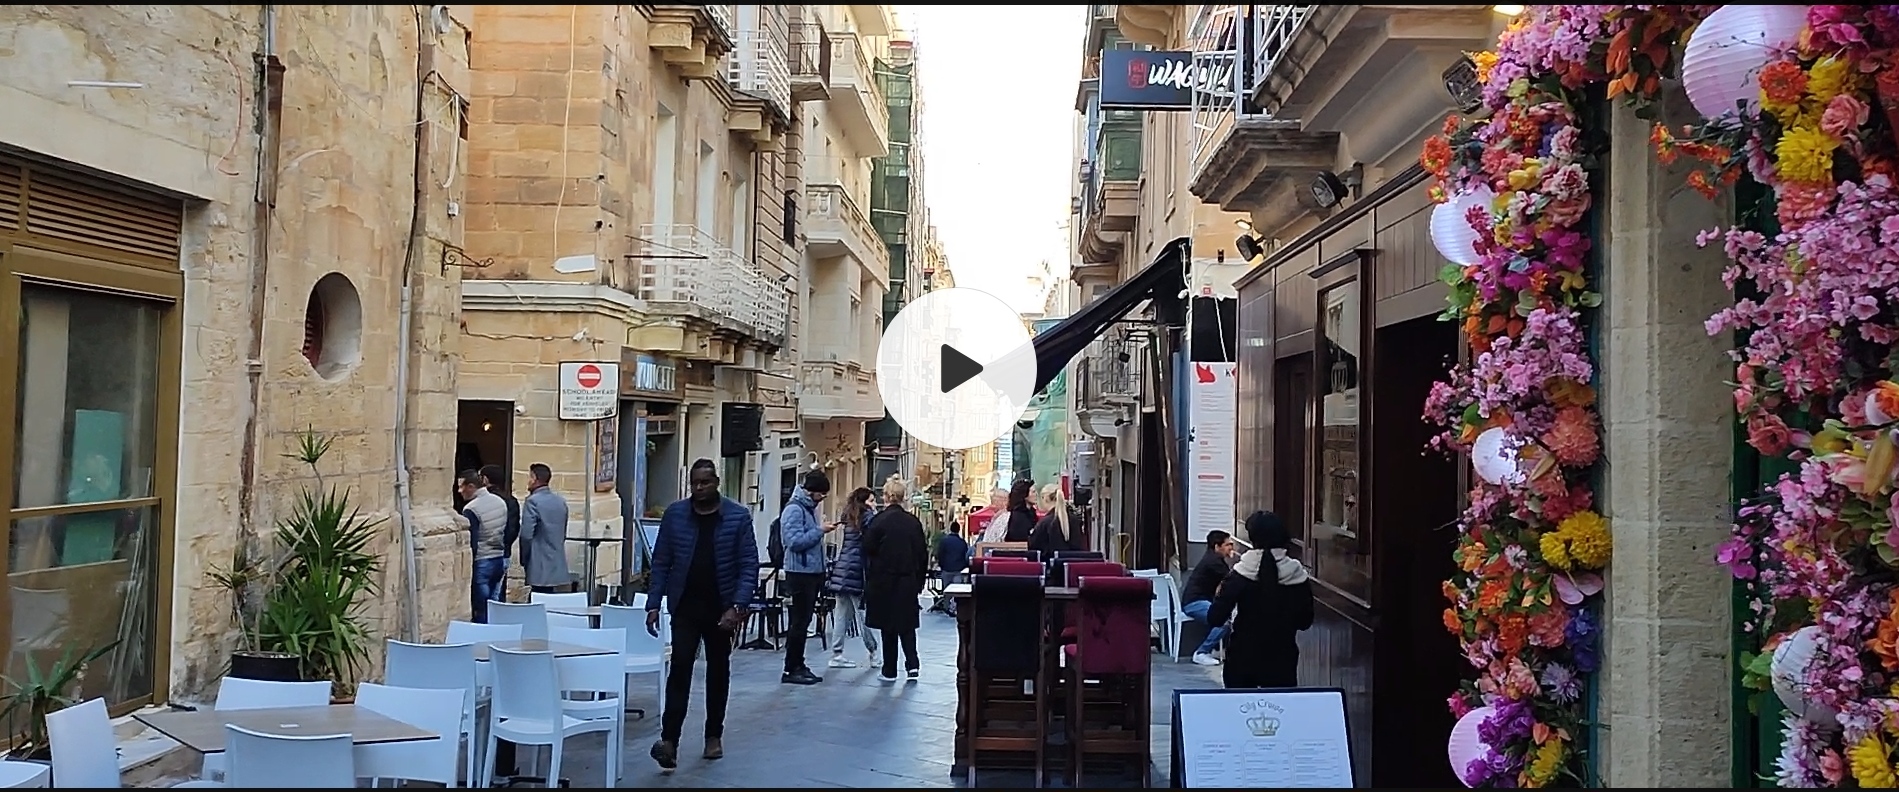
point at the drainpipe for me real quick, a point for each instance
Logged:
(267, 125)
(418, 249)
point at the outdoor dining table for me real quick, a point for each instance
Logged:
(964, 682)
(25, 775)
(591, 612)
(559, 649)
(203, 730)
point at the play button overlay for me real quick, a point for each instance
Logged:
(956, 368)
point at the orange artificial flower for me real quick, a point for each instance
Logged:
(1452, 622)
(1491, 596)
(1886, 397)
(1567, 392)
(1513, 631)
(1436, 158)
(1547, 627)
(1782, 82)
(1472, 557)
(1885, 640)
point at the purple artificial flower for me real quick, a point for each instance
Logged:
(1580, 637)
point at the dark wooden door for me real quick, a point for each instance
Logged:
(1292, 430)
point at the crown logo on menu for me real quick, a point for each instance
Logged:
(1263, 726)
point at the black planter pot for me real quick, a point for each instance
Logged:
(39, 754)
(267, 666)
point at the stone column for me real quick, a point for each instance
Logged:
(1668, 437)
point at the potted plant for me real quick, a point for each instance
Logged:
(43, 692)
(300, 609)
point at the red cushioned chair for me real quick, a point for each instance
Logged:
(1109, 674)
(1014, 567)
(1073, 572)
(1005, 651)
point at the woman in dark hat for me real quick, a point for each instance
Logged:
(1274, 596)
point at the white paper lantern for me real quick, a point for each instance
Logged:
(1464, 744)
(1789, 672)
(1721, 64)
(1451, 231)
(1494, 455)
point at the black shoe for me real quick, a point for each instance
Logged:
(913, 674)
(800, 677)
(666, 754)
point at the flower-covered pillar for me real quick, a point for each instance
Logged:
(1668, 421)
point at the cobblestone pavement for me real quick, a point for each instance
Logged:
(848, 731)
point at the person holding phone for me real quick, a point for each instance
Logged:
(705, 565)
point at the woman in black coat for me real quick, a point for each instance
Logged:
(1021, 512)
(896, 562)
(1274, 597)
(1059, 529)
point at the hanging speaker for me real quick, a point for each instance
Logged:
(741, 428)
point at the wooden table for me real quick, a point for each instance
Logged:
(963, 680)
(539, 645)
(203, 730)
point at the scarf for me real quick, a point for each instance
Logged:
(1288, 570)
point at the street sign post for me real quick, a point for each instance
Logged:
(588, 391)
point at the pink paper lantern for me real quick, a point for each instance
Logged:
(1722, 62)
(1451, 231)
(1465, 746)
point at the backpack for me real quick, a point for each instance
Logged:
(775, 546)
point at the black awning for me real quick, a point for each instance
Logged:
(1162, 280)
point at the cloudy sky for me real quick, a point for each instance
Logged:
(998, 92)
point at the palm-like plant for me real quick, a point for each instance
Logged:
(44, 692)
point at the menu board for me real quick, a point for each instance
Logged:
(1292, 738)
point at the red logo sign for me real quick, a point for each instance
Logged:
(1137, 73)
(588, 376)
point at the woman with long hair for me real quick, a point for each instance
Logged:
(1268, 600)
(1059, 529)
(897, 558)
(846, 582)
(1021, 512)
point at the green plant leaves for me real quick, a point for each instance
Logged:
(329, 568)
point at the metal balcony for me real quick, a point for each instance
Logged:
(758, 66)
(810, 62)
(835, 225)
(835, 390)
(686, 269)
(856, 101)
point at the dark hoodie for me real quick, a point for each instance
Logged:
(1273, 595)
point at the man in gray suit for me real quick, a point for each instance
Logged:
(544, 534)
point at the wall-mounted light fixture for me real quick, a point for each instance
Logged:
(1460, 81)
(1507, 10)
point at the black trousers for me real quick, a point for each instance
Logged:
(689, 631)
(908, 638)
(803, 589)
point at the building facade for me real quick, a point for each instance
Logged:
(221, 227)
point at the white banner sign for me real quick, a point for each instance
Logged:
(1213, 414)
(589, 391)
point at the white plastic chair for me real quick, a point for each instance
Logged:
(85, 752)
(243, 694)
(271, 761)
(592, 688)
(532, 616)
(645, 654)
(639, 600)
(568, 621)
(573, 599)
(437, 710)
(527, 709)
(482, 635)
(1165, 610)
(440, 667)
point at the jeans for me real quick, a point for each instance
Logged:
(803, 588)
(486, 585)
(1197, 610)
(908, 640)
(846, 616)
(690, 630)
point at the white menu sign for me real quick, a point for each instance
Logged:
(1213, 413)
(1270, 739)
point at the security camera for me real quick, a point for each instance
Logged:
(520, 409)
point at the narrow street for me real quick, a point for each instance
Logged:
(849, 731)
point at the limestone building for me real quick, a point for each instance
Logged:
(220, 227)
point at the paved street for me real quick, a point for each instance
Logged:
(849, 731)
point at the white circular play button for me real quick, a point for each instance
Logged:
(956, 368)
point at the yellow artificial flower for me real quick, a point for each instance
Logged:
(1530, 175)
(1805, 155)
(1485, 61)
(1870, 765)
(1555, 549)
(1589, 540)
(1829, 77)
(1548, 759)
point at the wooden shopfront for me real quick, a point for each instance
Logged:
(1339, 346)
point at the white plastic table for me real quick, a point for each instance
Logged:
(25, 775)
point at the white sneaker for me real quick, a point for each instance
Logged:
(839, 661)
(886, 679)
(913, 674)
(1205, 659)
(870, 659)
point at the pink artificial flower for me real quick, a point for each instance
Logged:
(1843, 117)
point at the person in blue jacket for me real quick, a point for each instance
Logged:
(803, 534)
(705, 565)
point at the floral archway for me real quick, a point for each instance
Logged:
(1815, 268)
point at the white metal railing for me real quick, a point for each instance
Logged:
(759, 66)
(1220, 48)
(1274, 28)
(684, 264)
(721, 16)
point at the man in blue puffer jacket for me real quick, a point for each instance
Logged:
(803, 533)
(705, 566)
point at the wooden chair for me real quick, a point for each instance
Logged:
(1010, 566)
(1005, 650)
(1022, 553)
(1109, 675)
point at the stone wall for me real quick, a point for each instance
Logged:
(343, 204)
(1668, 435)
